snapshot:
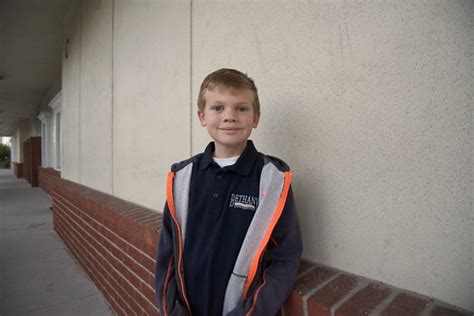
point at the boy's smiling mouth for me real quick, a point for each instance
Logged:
(230, 129)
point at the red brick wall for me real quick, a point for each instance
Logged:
(18, 169)
(115, 242)
(35, 159)
(47, 178)
(31, 160)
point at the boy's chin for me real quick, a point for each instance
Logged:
(230, 146)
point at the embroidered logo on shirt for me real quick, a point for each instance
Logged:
(242, 201)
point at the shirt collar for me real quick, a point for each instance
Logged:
(243, 165)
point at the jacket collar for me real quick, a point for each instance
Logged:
(244, 164)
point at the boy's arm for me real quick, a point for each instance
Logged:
(280, 276)
(164, 256)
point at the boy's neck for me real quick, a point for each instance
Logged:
(228, 152)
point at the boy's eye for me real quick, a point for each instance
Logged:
(242, 108)
(217, 108)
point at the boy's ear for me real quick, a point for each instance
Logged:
(202, 118)
(256, 119)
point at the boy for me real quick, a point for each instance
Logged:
(230, 241)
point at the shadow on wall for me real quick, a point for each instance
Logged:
(289, 133)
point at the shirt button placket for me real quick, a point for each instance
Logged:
(218, 194)
(218, 186)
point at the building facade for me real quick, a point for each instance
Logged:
(369, 103)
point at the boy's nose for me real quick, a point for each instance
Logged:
(229, 115)
(229, 119)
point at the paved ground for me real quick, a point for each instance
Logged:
(38, 276)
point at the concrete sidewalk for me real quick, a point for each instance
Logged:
(38, 276)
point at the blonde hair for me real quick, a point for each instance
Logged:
(230, 78)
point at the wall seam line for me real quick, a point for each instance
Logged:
(80, 91)
(112, 102)
(190, 78)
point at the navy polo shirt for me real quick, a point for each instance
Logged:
(222, 203)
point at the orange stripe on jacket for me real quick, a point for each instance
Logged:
(165, 286)
(170, 200)
(268, 233)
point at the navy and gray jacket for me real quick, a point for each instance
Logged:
(230, 241)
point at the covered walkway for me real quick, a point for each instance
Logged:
(38, 276)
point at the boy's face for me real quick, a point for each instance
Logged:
(229, 117)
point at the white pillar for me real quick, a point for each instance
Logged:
(56, 105)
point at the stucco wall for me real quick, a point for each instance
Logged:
(125, 122)
(96, 95)
(71, 91)
(371, 105)
(151, 96)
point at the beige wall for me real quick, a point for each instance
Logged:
(96, 95)
(371, 105)
(71, 91)
(125, 122)
(151, 96)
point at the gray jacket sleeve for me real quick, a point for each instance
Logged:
(165, 254)
(279, 278)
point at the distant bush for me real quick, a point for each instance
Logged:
(4, 156)
(4, 153)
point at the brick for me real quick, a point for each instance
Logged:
(154, 250)
(98, 265)
(118, 294)
(108, 244)
(113, 303)
(126, 279)
(122, 284)
(321, 302)
(150, 280)
(146, 215)
(294, 304)
(147, 262)
(304, 266)
(153, 223)
(123, 298)
(124, 206)
(153, 310)
(404, 304)
(313, 279)
(151, 250)
(149, 294)
(107, 201)
(364, 301)
(130, 208)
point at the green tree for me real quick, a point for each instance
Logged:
(4, 152)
